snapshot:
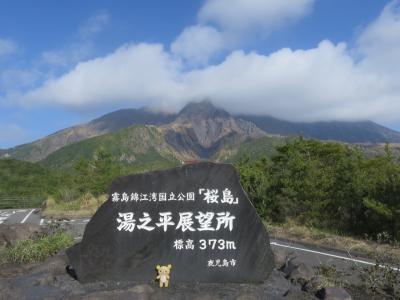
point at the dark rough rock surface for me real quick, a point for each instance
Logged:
(335, 293)
(38, 284)
(201, 130)
(11, 234)
(301, 274)
(49, 280)
(108, 254)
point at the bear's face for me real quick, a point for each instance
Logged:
(164, 270)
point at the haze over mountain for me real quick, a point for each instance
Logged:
(349, 132)
(201, 130)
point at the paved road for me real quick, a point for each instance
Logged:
(31, 216)
(319, 256)
(15, 216)
(347, 265)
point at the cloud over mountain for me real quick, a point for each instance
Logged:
(329, 81)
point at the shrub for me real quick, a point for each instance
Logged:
(35, 250)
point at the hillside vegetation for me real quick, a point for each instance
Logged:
(323, 185)
(136, 146)
(252, 149)
(20, 178)
(327, 185)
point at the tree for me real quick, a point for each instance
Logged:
(103, 170)
(95, 176)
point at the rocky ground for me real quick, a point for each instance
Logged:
(49, 280)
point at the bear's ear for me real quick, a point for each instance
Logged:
(169, 267)
(158, 267)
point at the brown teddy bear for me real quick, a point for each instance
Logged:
(163, 274)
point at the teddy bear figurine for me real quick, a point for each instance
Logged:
(163, 274)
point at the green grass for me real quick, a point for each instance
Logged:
(36, 250)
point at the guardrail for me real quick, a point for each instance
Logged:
(8, 202)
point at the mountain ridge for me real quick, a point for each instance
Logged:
(201, 130)
(343, 131)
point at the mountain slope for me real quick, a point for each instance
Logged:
(138, 145)
(201, 130)
(111, 122)
(349, 132)
(124, 118)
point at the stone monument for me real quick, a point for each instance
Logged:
(196, 218)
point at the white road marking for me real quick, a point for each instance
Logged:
(41, 221)
(5, 214)
(332, 255)
(27, 216)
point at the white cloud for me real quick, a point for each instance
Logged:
(321, 83)
(315, 84)
(227, 24)
(82, 46)
(197, 44)
(16, 79)
(379, 43)
(7, 46)
(68, 56)
(12, 134)
(142, 72)
(94, 25)
(244, 15)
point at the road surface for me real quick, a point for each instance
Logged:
(31, 216)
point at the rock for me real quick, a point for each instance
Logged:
(247, 297)
(46, 280)
(212, 234)
(54, 265)
(314, 285)
(280, 259)
(7, 292)
(206, 296)
(301, 274)
(289, 266)
(277, 284)
(297, 272)
(43, 286)
(334, 293)
(142, 289)
(11, 234)
(10, 270)
(297, 294)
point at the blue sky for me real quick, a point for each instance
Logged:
(66, 62)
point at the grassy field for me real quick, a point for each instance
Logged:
(83, 206)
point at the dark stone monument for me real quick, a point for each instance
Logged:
(195, 217)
